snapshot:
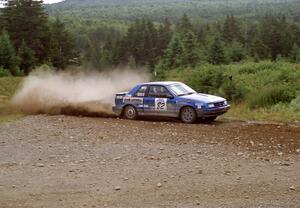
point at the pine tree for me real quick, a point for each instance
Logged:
(182, 51)
(132, 43)
(92, 55)
(27, 20)
(189, 55)
(184, 25)
(62, 45)
(150, 44)
(259, 50)
(164, 37)
(141, 43)
(8, 58)
(173, 55)
(27, 59)
(132, 63)
(231, 30)
(295, 54)
(107, 53)
(216, 52)
(276, 35)
(236, 52)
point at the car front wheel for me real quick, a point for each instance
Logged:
(130, 112)
(188, 115)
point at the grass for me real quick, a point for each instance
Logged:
(277, 113)
(10, 117)
(268, 91)
(8, 87)
(6, 116)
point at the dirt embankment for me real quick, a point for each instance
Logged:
(62, 161)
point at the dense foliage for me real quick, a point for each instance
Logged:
(255, 84)
(164, 46)
(245, 50)
(32, 37)
(157, 10)
(159, 45)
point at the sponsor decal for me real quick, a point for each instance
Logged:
(140, 94)
(133, 100)
(161, 104)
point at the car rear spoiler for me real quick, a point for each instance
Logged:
(121, 93)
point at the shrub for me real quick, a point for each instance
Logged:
(9, 85)
(236, 52)
(4, 72)
(17, 72)
(270, 96)
(206, 79)
(295, 104)
(231, 91)
(244, 82)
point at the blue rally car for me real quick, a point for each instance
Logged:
(171, 99)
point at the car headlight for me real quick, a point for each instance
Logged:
(225, 102)
(199, 105)
(211, 105)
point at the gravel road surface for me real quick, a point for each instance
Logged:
(66, 161)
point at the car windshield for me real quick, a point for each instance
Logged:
(181, 89)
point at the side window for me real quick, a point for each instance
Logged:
(158, 92)
(141, 92)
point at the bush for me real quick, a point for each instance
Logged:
(245, 82)
(4, 72)
(9, 85)
(206, 79)
(17, 72)
(231, 91)
(295, 104)
(271, 96)
(236, 52)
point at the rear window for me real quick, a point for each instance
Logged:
(141, 92)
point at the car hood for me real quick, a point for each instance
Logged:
(203, 98)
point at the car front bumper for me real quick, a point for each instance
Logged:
(203, 113)
(116, 110)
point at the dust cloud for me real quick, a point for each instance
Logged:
(74, 92)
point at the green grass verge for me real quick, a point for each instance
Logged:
(10, 117)
(279, 113)
(266, 90)
(8, 87)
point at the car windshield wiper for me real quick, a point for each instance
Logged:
(189, 93)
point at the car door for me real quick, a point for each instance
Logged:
(158, 101)
(139, 97)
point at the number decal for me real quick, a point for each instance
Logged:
(161, 104)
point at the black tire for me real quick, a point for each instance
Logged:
(188, 115)
(210, 119)
(130, 112)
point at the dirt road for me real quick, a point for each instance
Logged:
(64, 161)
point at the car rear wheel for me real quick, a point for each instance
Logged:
(188, 115)
(130, 112)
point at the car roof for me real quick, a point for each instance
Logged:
(164, 83)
